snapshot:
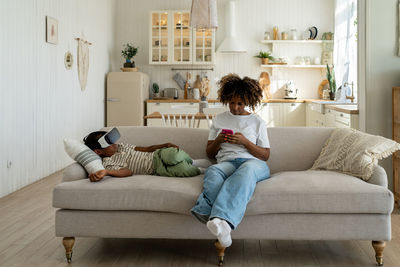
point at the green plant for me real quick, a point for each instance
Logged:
(330, 76)
(156, 88)
(263, 54)
(129, 51)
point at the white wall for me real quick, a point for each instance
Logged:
(253, 18)
(382, 69)
(40, 101)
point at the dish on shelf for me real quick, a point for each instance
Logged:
(313, 32)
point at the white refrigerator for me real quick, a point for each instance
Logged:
(125, 98)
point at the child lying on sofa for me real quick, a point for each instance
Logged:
(123, 160)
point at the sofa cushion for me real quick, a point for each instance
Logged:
(319, 192)
(284, 192)
(353, 152)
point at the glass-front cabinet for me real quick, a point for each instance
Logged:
(159, 38)
(182, 38)
(173, 41)
(204, 46)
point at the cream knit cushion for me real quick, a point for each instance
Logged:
(84, 155)
(353, 152)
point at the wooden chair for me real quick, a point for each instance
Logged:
(210, 113)
(180, 120)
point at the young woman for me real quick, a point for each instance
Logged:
(241, 157)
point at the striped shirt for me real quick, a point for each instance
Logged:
(127, 157)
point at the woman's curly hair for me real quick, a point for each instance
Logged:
(247, 89)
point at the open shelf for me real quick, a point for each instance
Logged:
(295, 41)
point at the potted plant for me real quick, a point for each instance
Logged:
(128, 53)
(156, 90)
(265, 57)
(330, 76)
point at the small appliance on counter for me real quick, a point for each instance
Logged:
(170, 93)
(290, 90)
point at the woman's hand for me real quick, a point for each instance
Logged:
(221, 138)
(97, 176)
(237, 139)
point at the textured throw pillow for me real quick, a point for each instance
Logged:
(353, 152)
(83, 155)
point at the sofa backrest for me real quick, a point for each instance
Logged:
(292, 148)
(295, 148)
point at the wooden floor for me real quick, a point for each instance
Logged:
(27, 239)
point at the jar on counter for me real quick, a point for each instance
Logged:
(293, 34)
(284, 35)
(267, 36)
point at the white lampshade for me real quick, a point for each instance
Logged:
(203, 14)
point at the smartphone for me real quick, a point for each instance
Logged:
(227, 131)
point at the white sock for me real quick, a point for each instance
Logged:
(222, 230)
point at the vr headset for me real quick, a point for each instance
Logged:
(109, 138)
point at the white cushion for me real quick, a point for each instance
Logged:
(84, 155)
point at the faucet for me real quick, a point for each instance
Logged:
(351, 97)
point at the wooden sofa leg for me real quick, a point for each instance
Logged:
(68, 243)
(220, 251)
(379, 247)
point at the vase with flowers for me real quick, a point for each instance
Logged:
(128, 52)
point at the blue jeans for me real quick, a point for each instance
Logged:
(228, 187)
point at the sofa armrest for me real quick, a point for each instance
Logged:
(379, 177)
(74, 172)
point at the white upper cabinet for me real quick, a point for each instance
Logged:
(181, 38)
(159, 35)
(174, 42)
(204, 46)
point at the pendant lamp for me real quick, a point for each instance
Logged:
(203, 14)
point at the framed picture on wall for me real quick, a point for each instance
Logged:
(51, 30)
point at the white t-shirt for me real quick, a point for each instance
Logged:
(252, 126)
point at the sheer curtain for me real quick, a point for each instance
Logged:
(345, 47)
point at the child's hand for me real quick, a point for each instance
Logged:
(172, 145)
(97, 176)
(237, 139)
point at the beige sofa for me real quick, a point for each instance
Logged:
(294, 204)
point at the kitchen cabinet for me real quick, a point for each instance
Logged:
(331, 118)
(204, 42)
(314, 118)
(294, 114)
(173, 41)
(159, 37)
(272, 114)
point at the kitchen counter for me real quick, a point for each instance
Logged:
(216, 101)
(350, 109)
(347, 108)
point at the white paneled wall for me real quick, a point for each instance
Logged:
(40, 101)
(253, 18)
